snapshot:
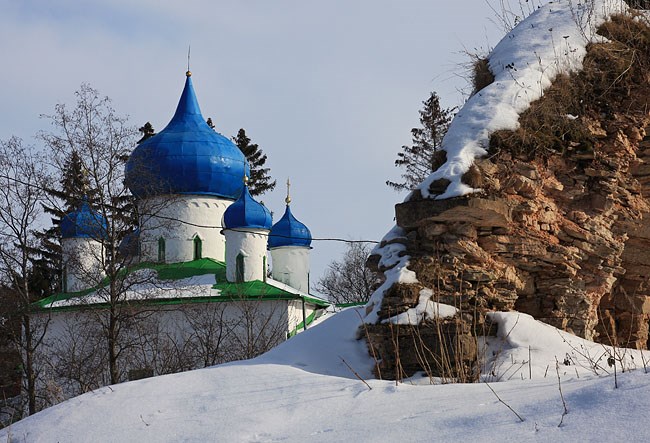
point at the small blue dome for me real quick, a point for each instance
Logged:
(247, 213)
(84, 223)
(130, 244)
(289, 232)
(187, 157)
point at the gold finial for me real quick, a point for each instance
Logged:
(188, 73)
(288, 199)
(245, 180)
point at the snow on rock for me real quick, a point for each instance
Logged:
(392, 252)
(551, 41)
(426, 309)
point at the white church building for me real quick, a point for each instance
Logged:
(211, 287)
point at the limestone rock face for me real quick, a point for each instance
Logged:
(565, 239)
(558, 226)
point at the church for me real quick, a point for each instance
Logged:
(198, 264)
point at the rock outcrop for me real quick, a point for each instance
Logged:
(561, 227)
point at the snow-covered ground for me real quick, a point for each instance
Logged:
(303, 391)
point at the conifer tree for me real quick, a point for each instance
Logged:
(147, 131)
(417, 159)
(73, 187)
(260, 181)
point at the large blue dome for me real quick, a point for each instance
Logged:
(187, 157)
(288, 231)
(246, 212)
(84, 223)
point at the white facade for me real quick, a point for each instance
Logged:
(169, 338)
(246, 254)
(182, 221)
(291, 266)
(82, 263)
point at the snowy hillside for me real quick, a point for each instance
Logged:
(303, 391)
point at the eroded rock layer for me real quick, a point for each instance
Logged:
(561, 227)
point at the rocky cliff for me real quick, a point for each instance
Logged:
(560, 226)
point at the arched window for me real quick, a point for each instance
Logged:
(239, 268)
(161, 250)
(198, 248)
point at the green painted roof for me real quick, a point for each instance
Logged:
(259, 289)
(253, 290)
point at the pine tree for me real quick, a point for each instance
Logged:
(147, 131)
(418, 159)
(73, 187)
(260, 181)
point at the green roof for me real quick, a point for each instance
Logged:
(253, 290)
(258, 289)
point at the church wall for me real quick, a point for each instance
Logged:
(291, 266)
(295, 314)
(251, 244)
(82, 258)
(173, 338)
(179, 219)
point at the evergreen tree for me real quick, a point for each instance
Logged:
(73, 187)
(417, 160)
(260, 181)
(147, 131)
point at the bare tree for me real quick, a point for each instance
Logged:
(22, 179)
(77, 358)
(103, 140)
(260, 326)
(348, 280)
(211, 333)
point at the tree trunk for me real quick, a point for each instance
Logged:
(112, 346)
(30, 374)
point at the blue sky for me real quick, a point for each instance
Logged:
(329, 89)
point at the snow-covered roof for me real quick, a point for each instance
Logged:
(196, 281)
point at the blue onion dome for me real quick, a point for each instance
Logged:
(187, 157)
(246, 212)
(289, 232)
(84, 223)
(130, 244)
